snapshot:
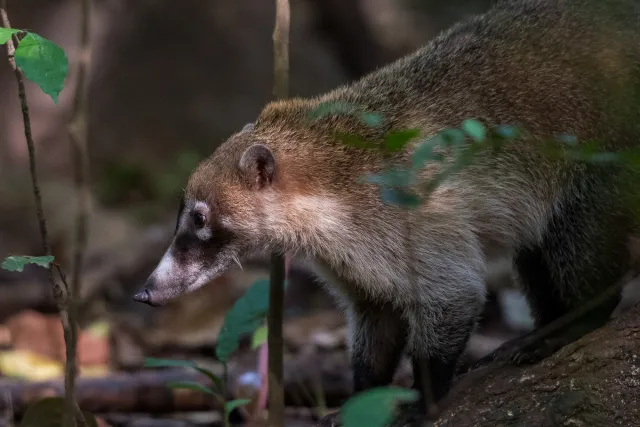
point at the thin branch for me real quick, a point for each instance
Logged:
(278, 270)
(60, 294)
(77, 130)
(281, 49)
(78, 136)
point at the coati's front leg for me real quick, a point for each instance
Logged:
(378, 339)
(438, 336)
(378, 336)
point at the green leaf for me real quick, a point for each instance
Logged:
(396, 177)
(608, 157)
(344, 108)
(631, 157)
(507, 131)
(17, 263)
(191, 385)
(6, 33)
(375, 407)
(355, 141)
(452, 136)
(247, 314)
(400, 197)
(259, 337)
(371, 119)
(49, 412)
(569, 140)
(44, 63)
(424, 152)
(151, 362)
(396, 141)
(233, 404)
(213, 377)
(474, 129)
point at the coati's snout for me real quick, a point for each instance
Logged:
(201, 250)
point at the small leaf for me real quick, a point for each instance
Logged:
(396, 141)
(400, 197)
(507, 131)
(452, 136)
(375, 407)
(355, 141)
(233, 404)
(191, 385)
(631, 157)
(332, 107)
(49, 412)
(6, 33)
(608, 157)
(569, 140)
(247, 314)
(152, 362)
(43, 62)
(259, 337)
(396, 177)
(17, 263)
(474, 129)
(371, 119)
(217, 381)
(424, 152)
(344, 108)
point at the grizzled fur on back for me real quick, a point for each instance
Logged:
(415, 279)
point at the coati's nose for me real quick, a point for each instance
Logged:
(143, 296)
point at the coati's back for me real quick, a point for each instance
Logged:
(551, 67)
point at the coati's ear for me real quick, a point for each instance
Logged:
(258, 165)
(248, 127)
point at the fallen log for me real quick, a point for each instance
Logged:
(146, 391)
(594, 381)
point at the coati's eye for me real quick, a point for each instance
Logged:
(199, 219)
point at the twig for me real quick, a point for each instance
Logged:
(77, 130)
(78, 136)
(281, 49)
(60, 294)
(278, 270)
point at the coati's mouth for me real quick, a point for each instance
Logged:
(174, 277)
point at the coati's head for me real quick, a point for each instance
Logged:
(218, 218)
(272, 186)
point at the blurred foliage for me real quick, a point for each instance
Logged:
(375, 407)
(131, 183)
(246, 316)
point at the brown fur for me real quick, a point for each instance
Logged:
(415, 279)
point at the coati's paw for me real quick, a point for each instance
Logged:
(330, 420)
(512, 352)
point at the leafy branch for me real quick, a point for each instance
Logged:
(46, 64)
(245, 317)
(77, 131)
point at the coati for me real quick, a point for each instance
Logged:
(414, 280)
